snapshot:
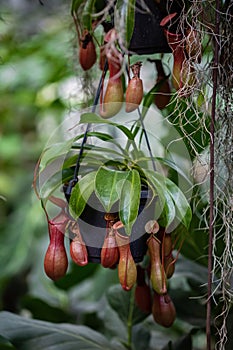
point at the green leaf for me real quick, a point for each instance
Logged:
(27, 334)
(21, 227)
(125, 130)
(48, 187)
(87, 118)
(183, 209)
(81, 193)
(42, 310)
(100, 135)
(129, 19)
(55, 151)
(76, 275)
(169, 213)
(108, 186)
(165, 161)
(130, 199)
(165, 206)
(168, 190)
(96, 119)
(75, 5)
(106, 137)
(100, 149)
(94, 159)
(174, 166)
(119, 301)
(125, 18)
(87, 15)
(5, 344)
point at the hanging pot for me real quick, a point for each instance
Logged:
(148, 36)
(93, 227)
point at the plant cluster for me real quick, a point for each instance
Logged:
(116, 174)
(94, 165)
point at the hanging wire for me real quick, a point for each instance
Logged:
(74, 180)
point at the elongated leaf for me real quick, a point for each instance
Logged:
(125, 130)
(28, 334)
(129, 19)
(88, 12)
(165, 206)
(101, 135)
(174, 166)
(106, 137)
(81, 193)
(169, 212)
(75, 5)
(103, 150)
(92, 118)
(130, 199)
(96, 119)
(95, 160)
(5, 345)
(183, 210)
(54, 151)
(108, 186)
(166, 162)
(15, 254)
(54, 182)
(125, 18)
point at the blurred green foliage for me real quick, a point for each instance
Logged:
(36, 50)
(38, 89)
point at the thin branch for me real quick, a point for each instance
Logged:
(212, 175)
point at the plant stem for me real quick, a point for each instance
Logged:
(147, 139)
(130, 318)
(212, 176)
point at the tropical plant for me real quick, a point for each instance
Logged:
(115, 170)
(114, 160)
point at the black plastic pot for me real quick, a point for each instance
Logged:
(93, 227)
(148, 36)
